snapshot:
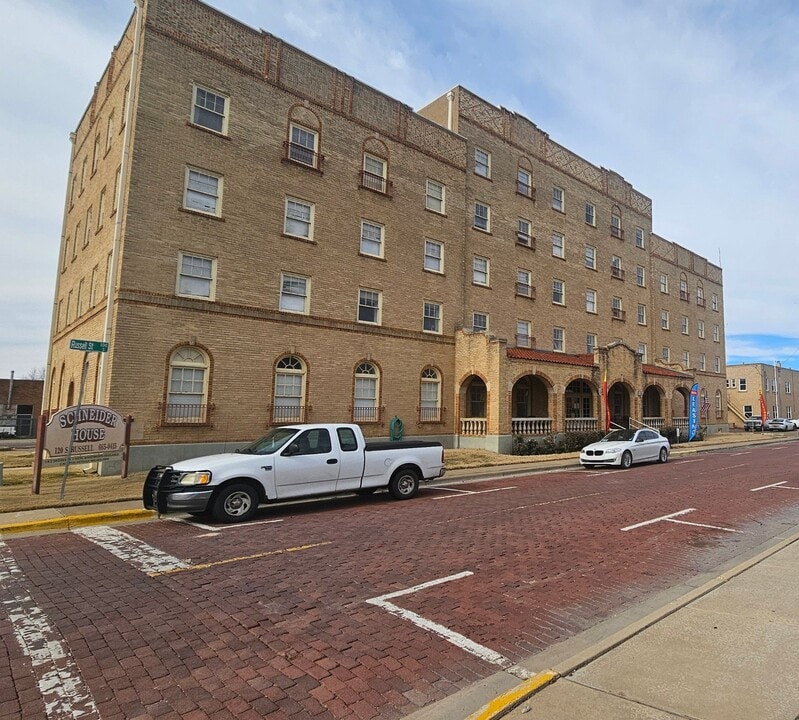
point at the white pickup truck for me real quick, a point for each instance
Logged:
(292, 462)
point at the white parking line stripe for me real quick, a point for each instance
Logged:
(657, 519)
(451, 636)
(470, 492)
(219, 528)
(712, 527)
(135, 552)
(461, 518)
(63, 691)
(766, 487)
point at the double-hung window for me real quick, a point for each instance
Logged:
(641, 314)
(303, 146)
(524, 183)
(435, 197)
(558, 339)
(590, 214)
(371, 239)
(590, 301)
(432, 317)
(294, 291)
(203, 192)
(479, 322)
(209, 110)
(639, 237)
(558, 199)
(524, 284)
(433, 256)
(558, 245)
(196, 276)
(558, 292)
(523, 333)
(369, 306)
(590, 257)
(480, 270)
(482, 163)
(664, 319)
(640, 275)
(482, 217)
(523, 233)
(299, 219)
(374, 174)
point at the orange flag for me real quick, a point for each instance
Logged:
(605, 397)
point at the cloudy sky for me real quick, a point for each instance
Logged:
(695, 102)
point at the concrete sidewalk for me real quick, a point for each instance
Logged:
(724, 651)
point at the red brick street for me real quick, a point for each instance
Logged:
(302, 614)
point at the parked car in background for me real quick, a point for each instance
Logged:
(625, 447)
(780, 424)
(795, 422)
(753, 422)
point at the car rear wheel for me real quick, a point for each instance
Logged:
(626, 459)
(404, 484)
(663, 455)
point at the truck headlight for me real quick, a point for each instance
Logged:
(202, 477)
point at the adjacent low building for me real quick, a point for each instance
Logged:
(263, 239)
(748, 382)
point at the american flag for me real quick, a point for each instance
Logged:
(705, 407)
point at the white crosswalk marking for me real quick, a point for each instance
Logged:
(64, 693)
(133, 551)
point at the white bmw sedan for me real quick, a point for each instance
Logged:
(625, 447)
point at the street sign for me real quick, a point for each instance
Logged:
(88, 345)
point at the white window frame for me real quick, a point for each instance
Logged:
(741, 384)
(481, 271)
(433, 256)
(366, 299)
(524, 182)
(714, 302)
(483, 326)
(590, 301)
(432, 317)
(482, 163)
(192, 273)
(558, 289)
(523, 333)
(684, 324)
(590, 257)
(590, 214)
(524, 232)
(188, 380)
(197, 186)
(590, 342)
(558, 339)
(293, 220)
(666, 354)
(432, 201)
(288, 399)
(664, 319)
(430, 395)
(702, 361)
(700, 328)
(642, 350)
(664, 283)
(375, 169)
(716, 334)
(558, 199)
(524, 283)
(558, 246)
(197, 109)
(640, 276)
(686, 359)
(640, 241)
(717, 364)
(298, 146)
(295, 293)
(479, 218)
(366, 243)
(641, 314)
(366, 393)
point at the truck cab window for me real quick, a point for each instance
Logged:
(347, 440)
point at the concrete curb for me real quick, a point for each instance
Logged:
(505, 703)
(68, 522)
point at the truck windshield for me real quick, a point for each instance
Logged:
(271, 442)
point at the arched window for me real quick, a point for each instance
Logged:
(718, 404)
(367, 393)
(700, 294)
(430, 404)
(684, 287)
(187, 398)
(289, 401)
(615, 222)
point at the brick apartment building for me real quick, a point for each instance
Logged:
(746, 382)
(263, 239)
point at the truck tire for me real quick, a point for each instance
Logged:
(404, 484)
(235, 503)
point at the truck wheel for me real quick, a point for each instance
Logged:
(235, 503)
(626, 459)
(404, 484)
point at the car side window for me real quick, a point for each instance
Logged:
(347, 439)
(314, 442)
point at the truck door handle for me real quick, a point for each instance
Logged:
(332, 461)
(266, 467)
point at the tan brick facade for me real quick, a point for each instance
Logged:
(336, 256)
(746, 382)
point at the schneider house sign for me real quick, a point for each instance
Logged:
(98, 429)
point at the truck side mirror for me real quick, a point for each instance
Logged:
(292, 449)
